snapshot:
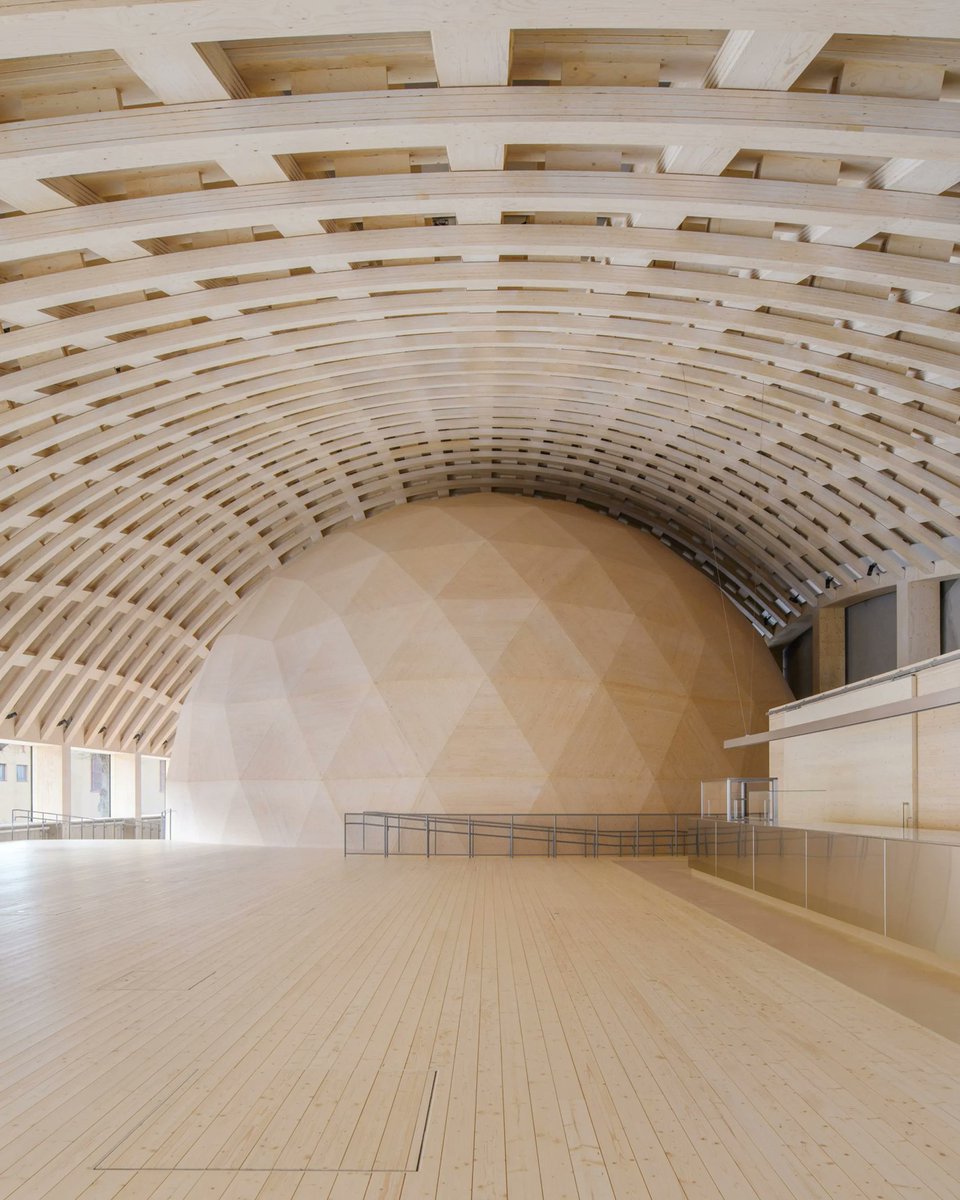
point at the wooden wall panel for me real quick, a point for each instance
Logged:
(477, 654)
(265, 271)
(865, 774)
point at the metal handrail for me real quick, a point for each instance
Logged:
(30, 823)
(630, 838)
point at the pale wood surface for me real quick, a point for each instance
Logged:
(474, 654)
(186, 1022)
(701, 278)
(864, 774)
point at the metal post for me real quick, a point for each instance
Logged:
(386, 836)
(427, 822)
(511, 835)
(806, 852)
(469, 837)
(363, 826)
(753, 830)
(636, 838)
(596, 836)
(676, 827)
(554, 835)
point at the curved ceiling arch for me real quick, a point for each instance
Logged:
(257, 287)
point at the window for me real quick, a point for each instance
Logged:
(3, 772)
(21, 772)
(90, 783)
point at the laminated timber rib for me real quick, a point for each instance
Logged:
(265, 270)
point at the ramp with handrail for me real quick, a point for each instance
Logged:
(551, 835)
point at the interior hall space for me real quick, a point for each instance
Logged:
(479, 600)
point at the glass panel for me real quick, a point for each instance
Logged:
(922, 888)
(845, 878)
(735, 852)
(780, 867)
(713, 798)
(153, 785)
(90, 783)
(702, 847)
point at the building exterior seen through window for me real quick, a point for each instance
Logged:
(90, 777)
(102, 784)
(16, 779)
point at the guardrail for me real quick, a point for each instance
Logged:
(903, 887)
(30, 825)
(551, 835)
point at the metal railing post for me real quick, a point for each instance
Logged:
(629, 838)
(753, 857)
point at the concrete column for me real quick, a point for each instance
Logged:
(918, 621)
(829, 648)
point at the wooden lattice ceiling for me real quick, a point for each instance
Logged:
(267, 269)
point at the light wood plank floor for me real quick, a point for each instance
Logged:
(183, 1022)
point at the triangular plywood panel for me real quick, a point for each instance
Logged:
(510, 688)
(267, 272)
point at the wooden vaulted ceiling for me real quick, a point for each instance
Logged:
(267, 269)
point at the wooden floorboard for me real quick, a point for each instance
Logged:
(181, 1022)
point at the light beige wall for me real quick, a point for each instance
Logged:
(865, 774)
(938, 757)
(153, 774)
(123, 785)
(48, 778)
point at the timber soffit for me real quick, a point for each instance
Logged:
(264, 275)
